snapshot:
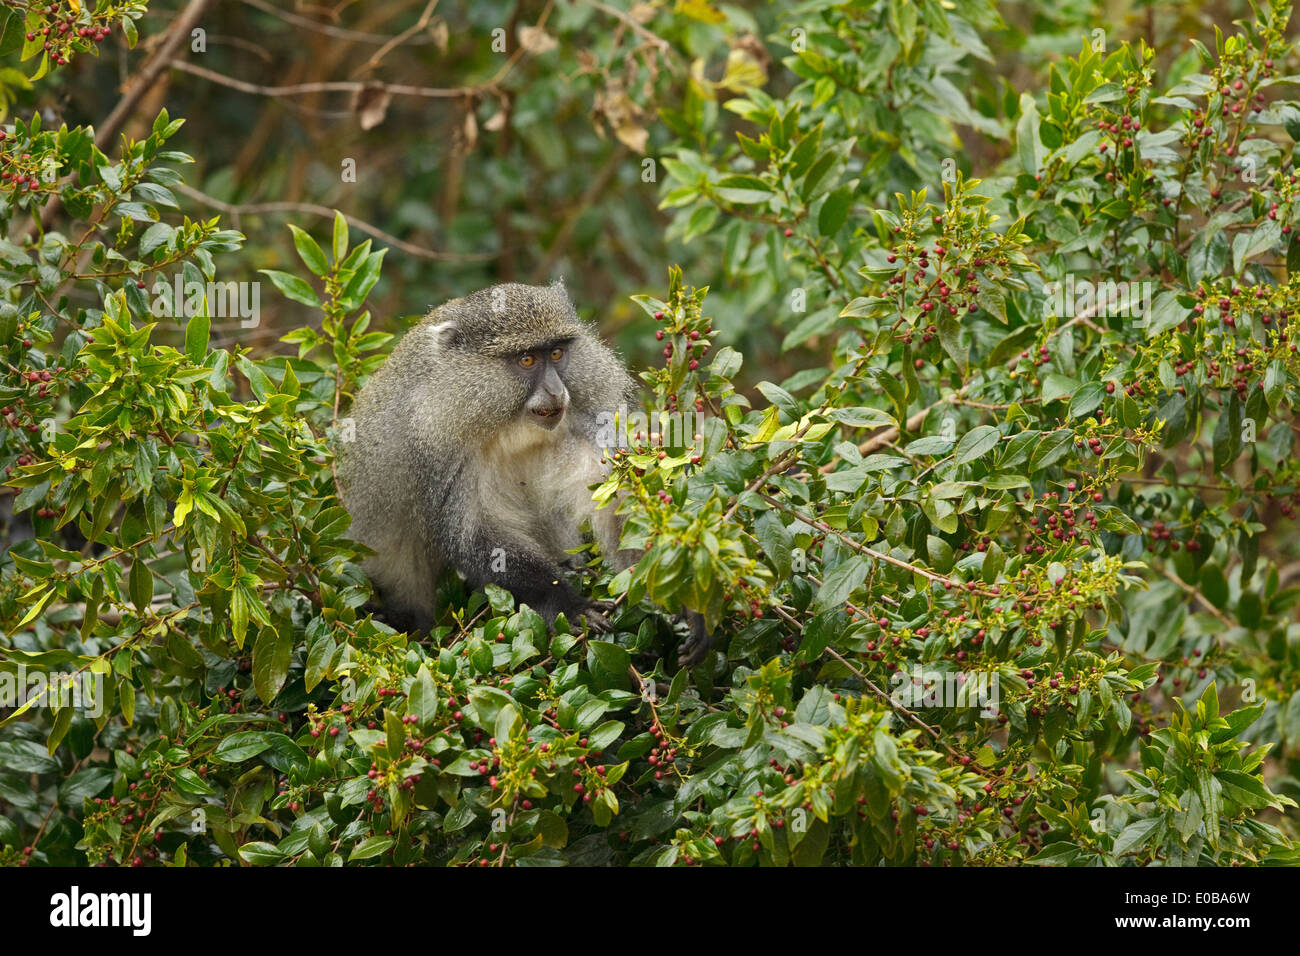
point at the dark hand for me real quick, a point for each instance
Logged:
(697, 646)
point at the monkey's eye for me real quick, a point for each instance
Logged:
(557, 353)
(527, 361)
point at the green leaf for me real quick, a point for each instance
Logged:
(776, 540)
(395, 733)
(743, 190)
(261, 853)
(364, 280)
(239, 611)
(293, 287)
(422, 698)
(1050, 448)
(187, 781)
(976, 443)
(1227, 433)
(85, 783)
(155, 237)
(1136, 834)
(241, 746)
(610, 661)
(271, 661)
(835, 211)
(1289, 720)
(940, 553)
(1244, 789)
(309, 251)
(994, 560)
(1057, 854)
(842, 582)
(1086, 399)
(1057, 386)
(196, 337)
(62, 721)
(1249, 245)
(370, 847)
(1166, 313)
(1028, 145)
(141, 585)
(1214, 585)
(340, 237)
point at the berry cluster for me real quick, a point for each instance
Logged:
(65, 33)
(18, 169)
(1058, 523)
(122, 822)
(954, 285)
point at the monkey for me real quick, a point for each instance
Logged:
(475, 445)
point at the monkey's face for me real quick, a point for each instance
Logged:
(542, 370)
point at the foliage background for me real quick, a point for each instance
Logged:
(177, 529)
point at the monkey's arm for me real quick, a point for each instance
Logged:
(697, 646)
(486, 555)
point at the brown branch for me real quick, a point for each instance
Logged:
(1196, 593)
(313, 209)
(398, 40)
(870, 552)
(889, 435)
(341, 33)
(329, 86)
(658, 42)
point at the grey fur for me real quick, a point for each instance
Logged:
(447, 470)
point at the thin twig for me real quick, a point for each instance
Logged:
(398, 40)
(341, 33)
(313, 209)
(330, 86)
(653, 39)
(889, 435)
(1196, 593)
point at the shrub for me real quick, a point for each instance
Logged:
(998, 582)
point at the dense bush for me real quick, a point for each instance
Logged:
(987, 478)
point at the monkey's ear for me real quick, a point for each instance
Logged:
(447, 334)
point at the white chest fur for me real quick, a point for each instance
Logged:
(534, 484)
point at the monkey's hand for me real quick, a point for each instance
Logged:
(697, 646)
(595, 619)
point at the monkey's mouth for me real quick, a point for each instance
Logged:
(547, 418)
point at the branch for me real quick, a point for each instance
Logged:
(398, 40)
(330, 86)
(888, 435)
(658, 42)
(315, 210)
(1196, 593)
(341, 33)
(153, 69)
